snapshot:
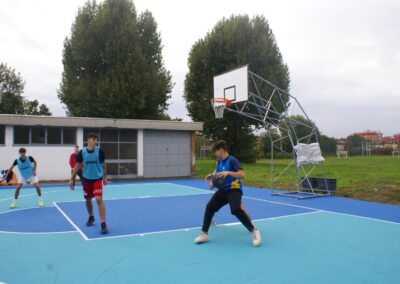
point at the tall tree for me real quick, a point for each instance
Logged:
(113, 65)
(158, 79)
(11, 89)
(11, 99)
(355, 144)
(233, 42)
(34, 108)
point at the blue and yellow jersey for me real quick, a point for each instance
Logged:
(230, 164)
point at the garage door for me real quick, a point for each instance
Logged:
(166, 153)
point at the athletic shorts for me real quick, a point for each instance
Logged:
(31, 180)
(93, 188)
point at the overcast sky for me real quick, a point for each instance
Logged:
(343, 56)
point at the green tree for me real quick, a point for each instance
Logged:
(158, 79)
(11, 99)
(34, 108)
(11, 89)
(302, 127)
(327, 144)
(113, 65)
(355, 144)
(233, 42)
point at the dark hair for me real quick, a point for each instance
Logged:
(76, 146)
(22, 150)
(93, 135)
(220, 144)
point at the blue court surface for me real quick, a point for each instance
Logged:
(152, 226)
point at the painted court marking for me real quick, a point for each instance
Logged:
(34, 194)
(305, 207)
(198, 227)
(37, 233)
(71, 222)
(204, 191)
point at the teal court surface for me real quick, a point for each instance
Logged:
(152, 226)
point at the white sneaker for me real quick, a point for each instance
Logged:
(256, 238)
(202, 238)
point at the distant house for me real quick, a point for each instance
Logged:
(374, 137)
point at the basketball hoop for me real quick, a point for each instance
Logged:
(219, 105)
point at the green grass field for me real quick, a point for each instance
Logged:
(367, 178)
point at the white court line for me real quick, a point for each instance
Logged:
(199, 227)
(139, 183)
(34, 194)
(273, 218)
(305, 207)
(27, 208)
(70, 221)
(37, 233)
(139, 197)
(71, 201)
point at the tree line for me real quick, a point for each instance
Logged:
(113, 67)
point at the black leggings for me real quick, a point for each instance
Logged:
(220, 199)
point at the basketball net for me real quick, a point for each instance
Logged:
(219, 105)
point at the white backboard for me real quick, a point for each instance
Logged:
(232, 85)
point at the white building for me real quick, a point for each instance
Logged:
(134, 148)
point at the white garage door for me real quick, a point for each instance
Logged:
(166, 153)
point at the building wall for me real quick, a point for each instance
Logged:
(52, 160)
(160, 154)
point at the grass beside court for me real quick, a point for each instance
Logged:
(374, 178)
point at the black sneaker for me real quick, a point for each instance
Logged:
(90, 221)
(104, 229)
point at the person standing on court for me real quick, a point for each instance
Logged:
(231, 193)
(72, 163)
(27, 166)
(92, 157)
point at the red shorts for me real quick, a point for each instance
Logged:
(93, 188)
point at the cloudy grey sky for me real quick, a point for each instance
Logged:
(343, 56)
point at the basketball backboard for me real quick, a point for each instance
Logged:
(232, 85)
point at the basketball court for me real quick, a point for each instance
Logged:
(153, 224)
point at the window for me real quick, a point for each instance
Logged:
(127, 169)
(127, 135)
(2, 134)
(44, 135)
(120, 147)
(109, 135)
(21, 135)
(112, 169)
(69, 136)
(127, 151)
(53, 135)
(38, 135)
(111, 150)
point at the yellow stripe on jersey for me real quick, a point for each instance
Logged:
(235, 184)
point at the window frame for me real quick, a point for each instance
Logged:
(4, 134)
(118, 160)
(30, 127)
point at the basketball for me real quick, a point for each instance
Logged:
(218, 182)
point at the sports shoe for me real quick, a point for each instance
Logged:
(90, 221)
(256, 238)
(13, 205)
(104, 229)
(41, 203)
(202, 238)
